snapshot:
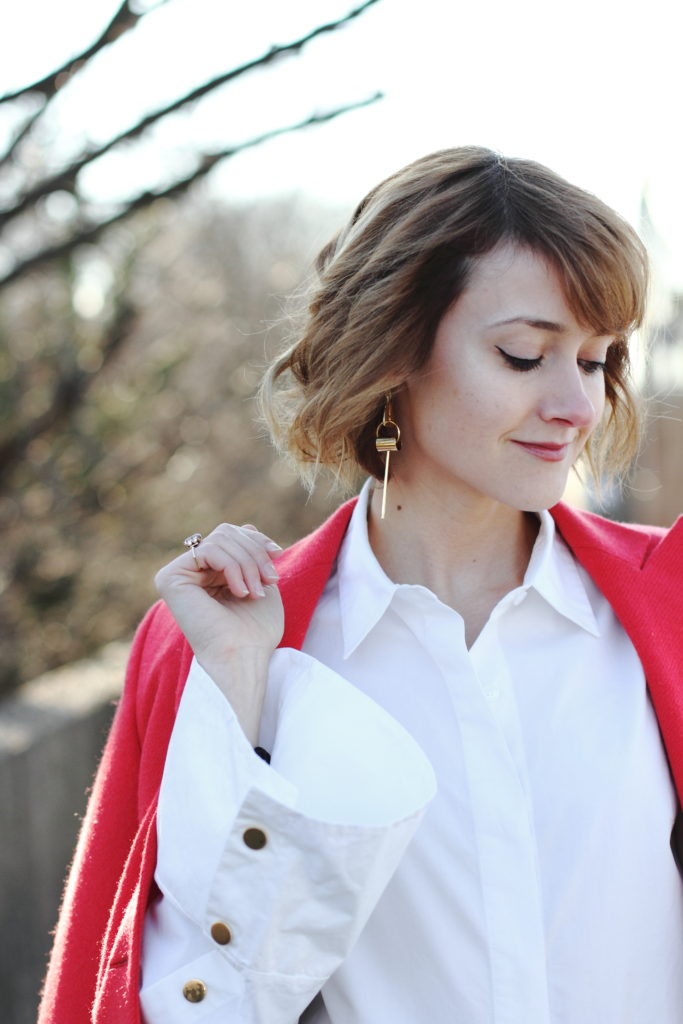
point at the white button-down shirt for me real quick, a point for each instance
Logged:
(539, 887)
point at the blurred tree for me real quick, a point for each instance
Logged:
(125, 367)
(164, 441)
(38, 180)
(45, 218)
(654, 491)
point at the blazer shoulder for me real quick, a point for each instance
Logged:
(631, 542)
(304, 570)
(318, 548)
(158, 665)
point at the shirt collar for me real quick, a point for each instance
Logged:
(555, 575)
(365, 591)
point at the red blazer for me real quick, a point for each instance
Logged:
(93, 977)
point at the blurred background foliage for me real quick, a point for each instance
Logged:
(127, 374)
(132, 334)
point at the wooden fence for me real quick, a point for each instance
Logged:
(52, 731)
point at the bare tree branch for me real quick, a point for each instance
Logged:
(65, 179)
(207, 162)
(21, 134)
(123, 20)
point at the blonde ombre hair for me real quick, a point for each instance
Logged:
(384, 282)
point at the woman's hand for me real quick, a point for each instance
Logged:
(230, 611)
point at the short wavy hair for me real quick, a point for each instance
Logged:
(384, 282)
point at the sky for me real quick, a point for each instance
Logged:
(590, 88)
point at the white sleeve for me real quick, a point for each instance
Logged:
(268, 873)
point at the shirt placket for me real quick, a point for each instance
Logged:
(501, 810)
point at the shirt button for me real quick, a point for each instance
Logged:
(194, 991)
(220, 933)
(254, 838)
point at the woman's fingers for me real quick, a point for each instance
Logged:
(225, 570)
(269, 544)
(236, 557)
(252, 551)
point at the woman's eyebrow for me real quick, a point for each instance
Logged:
(530, 321)
(542, 325)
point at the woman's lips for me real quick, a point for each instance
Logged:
(547, 452)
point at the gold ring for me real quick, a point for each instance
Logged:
(192, 542)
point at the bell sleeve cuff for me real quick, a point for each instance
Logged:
(268, 872)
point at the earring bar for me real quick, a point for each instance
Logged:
(387, 440)
(386, 445)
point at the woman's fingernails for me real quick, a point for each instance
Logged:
(272, 546)
(271, 572)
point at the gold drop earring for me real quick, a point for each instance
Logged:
(387, 440)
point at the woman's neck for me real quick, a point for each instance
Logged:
(470, 553)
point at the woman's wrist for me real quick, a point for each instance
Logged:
(241, 674)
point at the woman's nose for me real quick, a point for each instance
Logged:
(572, 400)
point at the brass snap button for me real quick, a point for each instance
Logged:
(220, 933)
(255, 838)
(194, 991)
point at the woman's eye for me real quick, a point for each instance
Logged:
(517, 363)
(591, 366)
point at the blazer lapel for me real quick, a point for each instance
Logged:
(305, 569)
(640, 572)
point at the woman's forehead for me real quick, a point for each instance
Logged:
(515, 284)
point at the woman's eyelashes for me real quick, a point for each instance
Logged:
(589, 366)
(517, 363)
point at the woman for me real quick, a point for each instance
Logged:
(474, 713)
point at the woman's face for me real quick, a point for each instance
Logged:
(511, 392)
